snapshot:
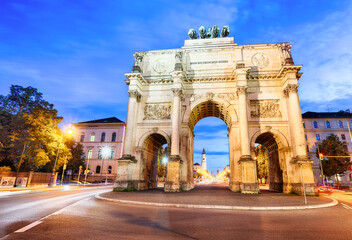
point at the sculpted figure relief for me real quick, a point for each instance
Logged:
(265, 108)
(155, 111)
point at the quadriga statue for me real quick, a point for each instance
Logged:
(192, 34)
(225, 31)
(202, 32)
(215, 31)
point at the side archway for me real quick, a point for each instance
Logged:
(151, 146)
(274, 144)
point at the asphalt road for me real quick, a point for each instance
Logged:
(87, 218)
(19, 210)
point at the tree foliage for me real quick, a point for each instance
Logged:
(30, 136)
(262, 162)
(331, 146)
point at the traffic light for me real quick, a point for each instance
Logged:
(321, 157)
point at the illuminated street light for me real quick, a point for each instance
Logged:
(69, 133)
(51, 181)
(106, 151)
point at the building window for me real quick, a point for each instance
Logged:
(307, 148)
(327, 124)
(317, 136)
(304, 125)
(90, 153)
(305, 136)
(100, 153)
(92, 137)
(109, 169)
(315, 124)
(82, 137)
(340, 124)
(97, 170)
(102, 139)
(113, 137)
(343, 137)
(112, 154)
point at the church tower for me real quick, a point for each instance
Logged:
(204, 161)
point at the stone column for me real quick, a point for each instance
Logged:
(295, 117)
(300, 157)
(130, 123)
(248, 167)
(172, 183)
(176, 112)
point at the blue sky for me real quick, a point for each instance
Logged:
(76, 52)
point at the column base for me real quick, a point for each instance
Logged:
(186, 186)
(235, 186)
(171, 186)
(250, 188)
(297, 188)
(130, 158)
(130, 185)
(249, 183)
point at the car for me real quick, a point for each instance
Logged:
(324, 189)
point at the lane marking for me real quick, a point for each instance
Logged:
(346, 206)
(29, 226)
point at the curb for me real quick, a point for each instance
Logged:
(224, 207)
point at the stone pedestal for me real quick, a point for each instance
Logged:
(172, 183)
(123, 179)
(248, 167)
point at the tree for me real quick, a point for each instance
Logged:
(331, 146)
(29, 131)
(262, 162)
(77, 158)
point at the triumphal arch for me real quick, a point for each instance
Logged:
(252, 88)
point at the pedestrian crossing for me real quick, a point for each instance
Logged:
(346, 206)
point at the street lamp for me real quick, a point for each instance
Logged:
(52, 177)
(106, 151)
(69, 133)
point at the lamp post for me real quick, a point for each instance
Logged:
(105, 154)
(52, 177)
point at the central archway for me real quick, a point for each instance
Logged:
(203, 110)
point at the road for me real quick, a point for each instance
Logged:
(81, 216)
(19, 210)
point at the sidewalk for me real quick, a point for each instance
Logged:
(217, 197)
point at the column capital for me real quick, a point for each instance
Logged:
(241, 90)
(134, 94)
(291, 88)
(177, 91)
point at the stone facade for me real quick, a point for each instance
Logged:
(317, 126)
(252, 88)
(97, 135)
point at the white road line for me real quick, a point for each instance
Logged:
(346, 206)
(29, 226)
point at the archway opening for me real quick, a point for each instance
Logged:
(209, 123)
(155, 156)
(267, 156)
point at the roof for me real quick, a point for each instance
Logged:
(339, 114)
(105, 120)
(196, 164)
(203, 151)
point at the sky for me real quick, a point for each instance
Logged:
(76, 52)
